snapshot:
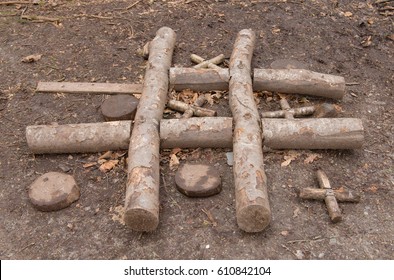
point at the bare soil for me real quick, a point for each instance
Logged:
(98, 41)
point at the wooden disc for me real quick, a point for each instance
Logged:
(288, 64)
(198, 180)
(119, 107)
(53, 191)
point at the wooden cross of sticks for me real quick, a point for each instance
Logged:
(330, 196)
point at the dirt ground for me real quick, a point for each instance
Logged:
(98, 41)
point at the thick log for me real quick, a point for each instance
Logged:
(251, 196)
(299, 81)
(323, 133)
(331, 202)
(196, 132)
(199, 79)
(343, 195)
(78, 138)
(92, 88)
(142, 189)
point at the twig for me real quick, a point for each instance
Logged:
(15, 3)
(40, 18)
(132, 5)
(352, 84)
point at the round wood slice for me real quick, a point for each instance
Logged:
(53, 191)
(288, 64)
(119, 107)
(198, 180)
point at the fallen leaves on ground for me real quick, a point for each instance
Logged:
(291, 155)
(296, 212)
(108, 165)
(32, 58)
(311, 158)
(174, 162)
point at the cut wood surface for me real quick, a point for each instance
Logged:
(342, 195)
(78, 138)
(251, 196)
(201, 132)
(92, 88)
(142, 189)
(299, 81)
(321, 133)
(331, 202)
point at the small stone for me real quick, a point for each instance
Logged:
(300, 255)
(230, 158)
(119, 107)
(288, 64)
(198, 180)
(53, 191)
(65, 168)
(321, 255)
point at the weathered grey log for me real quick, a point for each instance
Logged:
(142, 189)
(251, 196)
(346, 133)
(197, 132)
(199, 79)
(344, 195)
(331, 202)
(78, 138)
(299, 81)
(91, 88)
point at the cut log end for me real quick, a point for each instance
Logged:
(139, 219)
(253, 218)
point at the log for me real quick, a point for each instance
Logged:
(142, 189)
(199, 79)
(197, 133)
(210, 63)
(183, 107)
(296, 112)
(251, 196)
(197, 103)
(205, 132)
(299, 81)
(78, 138)
(92, 88)
(331, 202)
(343, 195)
(322, 133)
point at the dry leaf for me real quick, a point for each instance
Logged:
(284, 233)
(89, 164)
(348, 14)
(275, 30)
(32, 58)
(311, 158)
(108, 165)
(391, 37)
(175, 151)
(106, 155)
(296, 212)
(367, 42)
(291, 155)
(372, 189)
(174, 162)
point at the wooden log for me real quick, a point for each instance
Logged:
(296, 112)
(199, 79)
(343, 195)
(197, 133)
(197, 103)
(286, 108)
(201, 132)
(251, 196)
(299, 81)
(183, 107)
(92, 88)
(331, 202)
(78, 138)
(210, 63)
(142, 189)
(323, 133)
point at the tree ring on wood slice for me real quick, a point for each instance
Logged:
(53, 191)
(198, 180)
(288, 64)
(119, 107)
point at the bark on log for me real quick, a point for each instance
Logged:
(331, 202)
(346, 133)
(344, 195)
(78, 138)
(299, 81)
(142, 190)
(199, 79)
(197, 133)
(251, 196)
(194, 133)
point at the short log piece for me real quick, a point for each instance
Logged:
(299, 81)
(251, 197)
(142, 189)
(205, 132)
(343, 195)
(331, 202)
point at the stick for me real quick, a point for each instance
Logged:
(197, 111)
(15, 3)
(286, 107)
(92, 88)
(319, 194)
(196, 132)
(197, 103)
(211, 63)
(331, 202)
(142, 189)
(251, 197)
(296, 112)
(299, 81)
